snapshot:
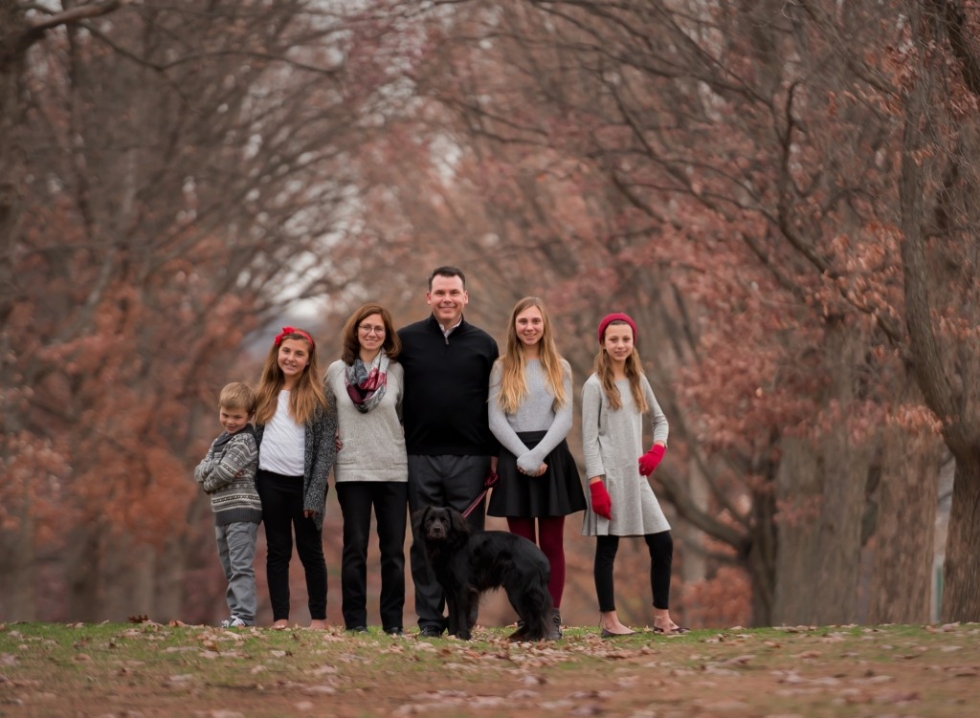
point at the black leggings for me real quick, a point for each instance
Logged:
(282, 514)
(661, 547)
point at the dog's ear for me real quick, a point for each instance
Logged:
(418, 518)
(459, 524)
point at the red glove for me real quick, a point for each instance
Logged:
(650, 460)
(601, 503)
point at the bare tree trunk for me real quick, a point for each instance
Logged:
(961, 592)
(961, 572)
(13, 47)
(799, 495)
(845, 459)
(905, 529)
(126, 580)
(18, 601)
(762, 554)
(83, 562)
(167, 582)
(695, 564)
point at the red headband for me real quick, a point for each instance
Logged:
(286, 331)
(618, 316)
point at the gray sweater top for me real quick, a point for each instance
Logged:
(372, 444)
(612, 442)
(536, 413)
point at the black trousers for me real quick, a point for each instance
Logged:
(390, 502)
(282, 514)
(441, 481)
(661, 547)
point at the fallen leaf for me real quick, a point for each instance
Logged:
(897, 697)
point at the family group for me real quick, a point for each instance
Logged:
(422, 417)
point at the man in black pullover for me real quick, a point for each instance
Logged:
(451, 450)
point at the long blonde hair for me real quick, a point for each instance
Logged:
(305, 399)
(634, 370)
(513, 385)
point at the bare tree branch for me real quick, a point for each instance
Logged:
(76, 14)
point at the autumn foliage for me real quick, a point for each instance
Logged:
(781, 194)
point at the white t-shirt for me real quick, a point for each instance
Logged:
(283, 449)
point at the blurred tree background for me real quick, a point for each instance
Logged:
(780, 194)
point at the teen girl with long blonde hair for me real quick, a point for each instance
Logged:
(530, 412)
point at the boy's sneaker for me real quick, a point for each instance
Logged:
(234, 622)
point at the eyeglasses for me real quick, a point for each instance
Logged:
(368, 329)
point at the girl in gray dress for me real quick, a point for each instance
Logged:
(621, 502)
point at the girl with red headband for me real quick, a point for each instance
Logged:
(296, 432)
(614, 401)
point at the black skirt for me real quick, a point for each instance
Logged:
(557, 492)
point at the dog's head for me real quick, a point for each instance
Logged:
(438, 523)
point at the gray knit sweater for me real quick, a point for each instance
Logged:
(372, 444)
(227, 475)
(536, 413)
(319, 452)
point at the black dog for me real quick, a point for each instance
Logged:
(467, 563)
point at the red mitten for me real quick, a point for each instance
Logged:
(650, 460)
(601, 503)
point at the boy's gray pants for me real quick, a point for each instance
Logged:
(236, 550)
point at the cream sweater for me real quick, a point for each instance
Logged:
(372, 444)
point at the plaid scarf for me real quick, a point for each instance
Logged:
(366, 384)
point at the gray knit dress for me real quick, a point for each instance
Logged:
(612, 442)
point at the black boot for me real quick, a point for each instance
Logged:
(555, 634)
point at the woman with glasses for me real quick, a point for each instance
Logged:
(371, 470)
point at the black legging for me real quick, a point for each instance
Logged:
(661, 547)
(282, 514)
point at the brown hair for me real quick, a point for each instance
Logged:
(392, 345)
(308, 395)
(237, 395)
(447, 271)
(634, 370)
(513, 384)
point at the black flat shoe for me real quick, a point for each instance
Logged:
(357, 629)
(673, 632)
(395, 631)
(609, 634)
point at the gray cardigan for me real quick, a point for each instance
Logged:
(321, 450)
(372, 444)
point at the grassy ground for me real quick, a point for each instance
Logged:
(145, 670)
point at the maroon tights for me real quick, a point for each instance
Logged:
(551, 535)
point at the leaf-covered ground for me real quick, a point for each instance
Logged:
(147, 669)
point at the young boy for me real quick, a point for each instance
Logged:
(227, 474)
